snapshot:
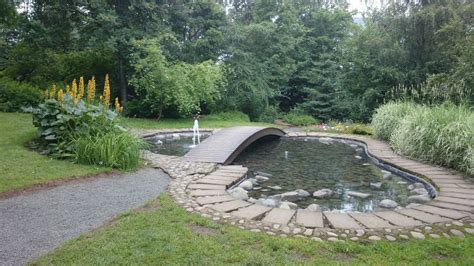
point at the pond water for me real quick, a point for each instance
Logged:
(312, 165)
(177, 144)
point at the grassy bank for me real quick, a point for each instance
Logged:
(163, 233)
(184, 123)
(20, 167)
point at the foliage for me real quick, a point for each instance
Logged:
(298, 118)
(269, 115)
(358, 129)
(16, 95)
(182, 85)
(115, 149)
(441, 135)
(388, 117)
(228, 116)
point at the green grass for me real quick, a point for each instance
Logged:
(184, 123)
(166, 234)
(20, 167)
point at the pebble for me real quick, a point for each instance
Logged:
(374, 238)
(458, 223)
(388, 230)
(285, 230)
(308, 232)
(332, 234)
(276, 226)
(390, 238)
(457, 233)
(435, 236)
(354, 238)
(297, 231)
(333, 239)
(446, 235)
(417, 235)
(343, 235)
(255, 230)
(271, 233)
(317, 239)
(360, 232)
(404, 236)
(469, 230)
(428, 228)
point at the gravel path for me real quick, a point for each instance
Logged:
(33, 224)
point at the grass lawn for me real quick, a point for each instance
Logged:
(183, 123)
(163, 233)
(20, 167)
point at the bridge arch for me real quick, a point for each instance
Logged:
(226, 144)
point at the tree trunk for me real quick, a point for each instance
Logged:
(123, 80)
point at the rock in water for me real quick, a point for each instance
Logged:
(275, 187)
(377, 185)
(238, 193)
(260, 173)
(313, 208)
(268, 202)
(292, 195)
(388, 203)
(326, 140)
(418, 199)
(288, 205)
(323, 193)
(261, 178)
(246, 185)
(302, 193)
(419, 191)
(358, 194)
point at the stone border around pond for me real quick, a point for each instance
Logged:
(201, 188)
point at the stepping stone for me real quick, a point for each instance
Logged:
(214, 199)
(197, 193)
(453, 206)
(227, 174)
(206, 187)
(370, 221)
(342, 220)
(423, 216)
(214, 182)
(228, 178)
(251, 212)
(398, 219)
(230, 205)
(279, 216)
(309, 219)
(457, 195)
(443, 212)
(456, 200)
(238, 167)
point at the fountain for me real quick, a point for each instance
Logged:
(196, 132)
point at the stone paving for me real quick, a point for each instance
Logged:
(201, 188)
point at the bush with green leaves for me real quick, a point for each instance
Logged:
(442, 135)
(389, 116)
(16, 95)
(116, 149)
(298, 118)
(229, 116)
(358, 129)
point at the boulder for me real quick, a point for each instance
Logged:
(302, 193)
(358, 194)
(247, 185)
(275, 187)
(260, 173)
(288, 205)
(313, 208)
(239, 193)
(419, 191)
(272, 203)
(388, 203)
(323, 193)
(261, 178)
(418, 199)
(292, 195)
(377, 185)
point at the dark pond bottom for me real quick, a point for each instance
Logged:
(177, 144)
(311, 165)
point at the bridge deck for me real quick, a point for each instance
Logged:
(223, 146)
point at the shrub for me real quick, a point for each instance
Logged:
(440, 134)
(388, 117)
(298, 119)
(358, 129)
(229, 116)
(15, 95)
(269, 115)
(113, 149)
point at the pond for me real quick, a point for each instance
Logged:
(312, 164)
(175, 144)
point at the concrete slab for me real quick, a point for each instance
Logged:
(398, 219)
(214, 182)
(228, 178)
(199, 192)
(442, 212)
(279, 216)
(309, 219)
(456, 200)
(206, 187)
(214, 199)
(251, 212)
(451, 206)
(369, 220)
(423, 216)
(341, 220)
(230, 205)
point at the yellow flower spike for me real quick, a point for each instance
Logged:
(107, 91)
(89, 87)
(46, 94)
(101, 99)
(117, 104)
(81, 87)
(93, 89)
(68, 90)
(52, 93)
(121, 109)
(74, 89)
(60, 96)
